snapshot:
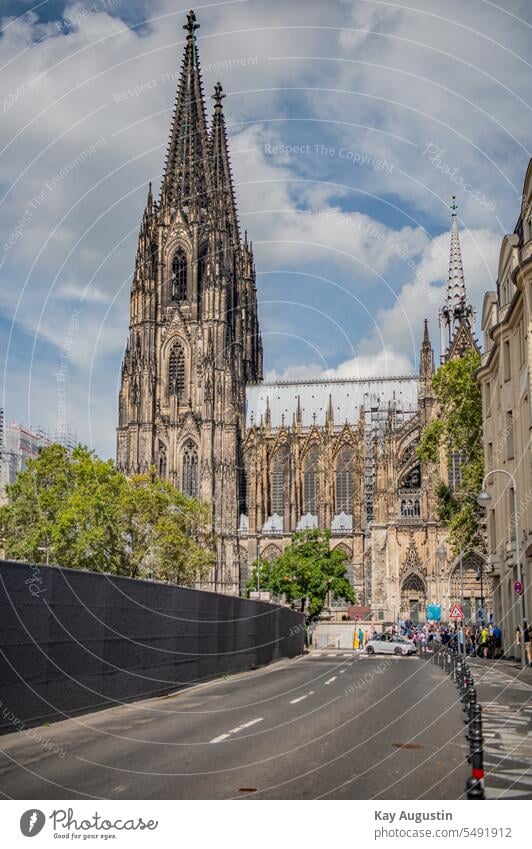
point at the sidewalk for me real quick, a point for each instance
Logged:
(505, 693)
(510, 666)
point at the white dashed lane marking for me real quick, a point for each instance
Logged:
(330, 680)
(236, 730)
(300, 699)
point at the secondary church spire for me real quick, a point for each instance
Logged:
(457, 317)
(221, 170)
(456, 291)
(186, 171)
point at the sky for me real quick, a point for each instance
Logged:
(351, 124)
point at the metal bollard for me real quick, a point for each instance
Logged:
(459, 673)
(475, 784)
(469, 697)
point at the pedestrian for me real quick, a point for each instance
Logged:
(360, 638)
(497, 641)
(518, 639)
(484, 641)
(528, 644)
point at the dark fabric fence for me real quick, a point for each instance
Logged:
(73, 641)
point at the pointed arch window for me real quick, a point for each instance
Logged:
(176, 372)
(279, 473)
(310, 482)
(202, 266)
(344, 480)
(179, 276)
(162, 460)
(190, 469)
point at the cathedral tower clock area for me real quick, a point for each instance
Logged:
(275, 458)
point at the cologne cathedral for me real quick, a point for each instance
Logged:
(271, 459)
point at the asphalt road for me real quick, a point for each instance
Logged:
(322, 726)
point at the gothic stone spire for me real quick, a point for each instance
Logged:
(186, 178)
(457, 316)
(221, 169)
(456, 291)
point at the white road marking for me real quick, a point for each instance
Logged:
(300, 699)
(236, 730)
(342, 671)
(330, 680)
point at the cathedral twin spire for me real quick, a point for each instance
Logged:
(197, 172)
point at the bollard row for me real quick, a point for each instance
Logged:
(458, 669)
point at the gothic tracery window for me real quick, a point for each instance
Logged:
(179, 276)
(344, 480)
(176, 372)
(202, 266)
(278, 477)
(310, 482)
(162, 460)
(190, 469)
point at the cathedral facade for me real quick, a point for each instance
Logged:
(271, 459)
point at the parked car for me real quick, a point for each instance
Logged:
(390, 644)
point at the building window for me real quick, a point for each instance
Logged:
(492, 532)
(455, 471)
(509, 435)
(310, 483)
(410, 508)
(190, 469)
(506, 360)
(202, 266)
(176, 372)
(278, 477)
(522, 345)
(344, 481)
(179, 276)
(487, 399)
(162, 460)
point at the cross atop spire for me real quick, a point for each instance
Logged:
(191, 24)
(186, 180)
(218, 94)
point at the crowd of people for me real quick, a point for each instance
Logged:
(474, 640)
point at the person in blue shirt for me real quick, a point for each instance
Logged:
(497, 641)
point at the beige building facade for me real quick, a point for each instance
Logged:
(505, 380)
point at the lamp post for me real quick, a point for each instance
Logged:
(484, 499)
(441, 559)
(258, 565)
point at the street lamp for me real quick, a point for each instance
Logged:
(484, 499)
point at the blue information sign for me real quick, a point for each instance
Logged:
(434, 612)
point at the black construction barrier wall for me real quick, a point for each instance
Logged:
(72, 641)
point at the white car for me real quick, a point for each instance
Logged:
(390, 644)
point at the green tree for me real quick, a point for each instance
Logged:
(81, 512)
(458, 430)
(305, 572)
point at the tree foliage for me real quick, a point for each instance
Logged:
(81, 512)
(458, 430)
(305, 572)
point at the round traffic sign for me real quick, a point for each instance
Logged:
(518, 587)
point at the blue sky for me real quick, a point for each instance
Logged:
(351, 122)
